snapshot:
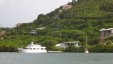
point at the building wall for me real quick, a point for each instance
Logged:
(105, 33)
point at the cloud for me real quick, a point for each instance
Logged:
(2, 2)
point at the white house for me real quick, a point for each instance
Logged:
(41, 28)
(67, 44)
(33, 32)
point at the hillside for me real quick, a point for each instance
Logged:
(84, 18)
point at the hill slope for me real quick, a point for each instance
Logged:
(86, 17)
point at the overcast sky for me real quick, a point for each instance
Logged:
(21, 11)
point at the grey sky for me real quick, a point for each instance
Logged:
(20, 11)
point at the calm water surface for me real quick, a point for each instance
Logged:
(56, 58)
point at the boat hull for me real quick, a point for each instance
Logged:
(32, 51)
(86, 51)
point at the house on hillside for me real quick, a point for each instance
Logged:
(33, 32)
(105, 33)
(67, 7)
(2, 34)
(74, 0)
(40, 28)
(67, 44)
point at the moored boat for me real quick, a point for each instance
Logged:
(86, 51)
(33, 48)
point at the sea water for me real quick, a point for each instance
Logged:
(56, 58)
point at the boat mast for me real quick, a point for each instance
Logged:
(86, 42)
(86, 49)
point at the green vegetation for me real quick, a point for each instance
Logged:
(86, 17)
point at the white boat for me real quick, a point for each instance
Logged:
(86, 51)
(33, 48)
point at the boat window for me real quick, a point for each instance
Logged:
(34, 48)
(42, 48)
(29, 48)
